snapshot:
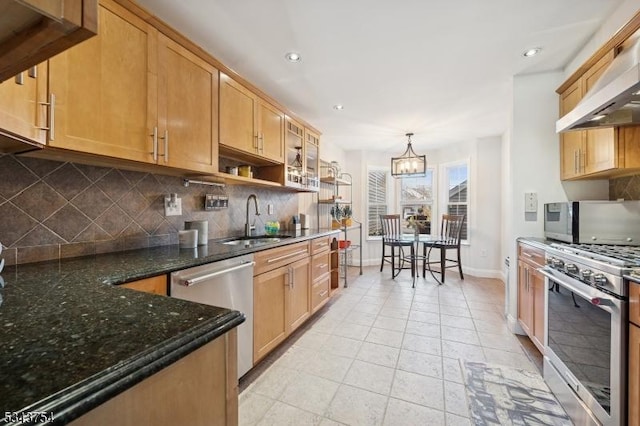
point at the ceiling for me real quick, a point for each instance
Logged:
(441, 69)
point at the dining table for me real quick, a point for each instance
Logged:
(415, 258)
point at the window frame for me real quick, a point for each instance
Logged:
(443, 200)
(433, 203)
(388, 194)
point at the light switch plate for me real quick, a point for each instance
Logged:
(530, 202)
(170, 210)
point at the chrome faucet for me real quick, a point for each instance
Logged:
(247, 227)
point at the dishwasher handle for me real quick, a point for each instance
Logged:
(188, 282)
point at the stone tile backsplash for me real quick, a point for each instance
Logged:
(50, 209)
(627, 188)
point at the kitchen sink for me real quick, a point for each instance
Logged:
(255, 240)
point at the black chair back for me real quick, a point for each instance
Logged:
(451, 229)
(390, 225)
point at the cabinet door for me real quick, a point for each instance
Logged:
(537, 288)
(21, 104)
(237, 119)
(312, 159)
(105, 89)
(155, 285)
(634, 375)
(269, 326)
(298, 309)
(601, 145)
(187, 109)
(524, 297)
(571, 143)
(270, 132)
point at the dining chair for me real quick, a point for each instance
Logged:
(391, 237)
(449, 239)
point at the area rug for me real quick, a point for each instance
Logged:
(501, 395)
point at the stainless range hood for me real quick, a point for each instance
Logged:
(614, 99)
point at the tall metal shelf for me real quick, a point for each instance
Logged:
(336, 190)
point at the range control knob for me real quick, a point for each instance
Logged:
(557, 263)
(586, 274)
(571, 268)
(600, 280)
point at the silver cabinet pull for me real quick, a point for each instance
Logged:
(20, 79)
(256, 144)
(154, 147)
(324, 265)
(166, 146)
(575, 162)
(290, 277)
(295, 253)
(324, 293)
(527, 254)
(52, 116)
(33, 72)
(261, 143)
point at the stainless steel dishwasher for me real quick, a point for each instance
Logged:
(227, 284)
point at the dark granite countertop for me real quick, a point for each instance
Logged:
(70, 340)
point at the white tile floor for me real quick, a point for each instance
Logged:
(384, 353)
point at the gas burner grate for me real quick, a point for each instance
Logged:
(625, 256)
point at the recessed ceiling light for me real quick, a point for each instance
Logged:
(532, 52)
(293, 57)
(338, 107)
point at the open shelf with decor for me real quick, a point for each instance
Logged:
(334, 205)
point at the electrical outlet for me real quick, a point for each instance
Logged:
(269, 208)
(172, 207)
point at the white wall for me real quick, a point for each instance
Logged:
(532, 155)
(482, 257)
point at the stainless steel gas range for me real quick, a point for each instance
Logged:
(586, 314)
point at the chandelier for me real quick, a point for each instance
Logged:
(409, 164)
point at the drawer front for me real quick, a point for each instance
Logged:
(319, 293)
(269, 260)
(634, 303)
(320, 265)
(319, 245)
(531, 254)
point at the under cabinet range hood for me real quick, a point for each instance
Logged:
(614, 99)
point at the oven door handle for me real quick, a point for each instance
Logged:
(594, 300)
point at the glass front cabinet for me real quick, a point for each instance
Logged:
(302, 152)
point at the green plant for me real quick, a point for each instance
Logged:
(336, 212)
(347, 212)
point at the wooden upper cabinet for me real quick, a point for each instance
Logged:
(187, 109)
(104, 90)
(134, 94)
(237, 116)
(23, 111)
(571, 143)
(249, 124)
(270, 131)
(596, 153)
(32, 31)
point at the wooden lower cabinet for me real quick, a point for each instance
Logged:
(200, 389)
(634, 375)
(155, 285)
(269, 306)
(297, 308)
(531, 293)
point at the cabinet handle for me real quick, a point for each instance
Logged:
(527, 254)
(324, 265)
(295, 253)
(575, 162)
(166, 146)
(52, 116)
(261, 143)
(20, 79)
(154, 146)
(324, 293)
(255, 143)
(33, 72)
(582, 162)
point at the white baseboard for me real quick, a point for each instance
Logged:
(514, 325)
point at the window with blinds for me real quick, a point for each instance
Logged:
(376, 200)
(416, 200)
(457, 181)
